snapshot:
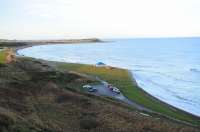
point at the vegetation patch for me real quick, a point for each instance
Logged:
(88, 122)
(12, 44)
(2, 56)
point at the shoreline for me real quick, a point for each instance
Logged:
(173, 108)
(154, 98)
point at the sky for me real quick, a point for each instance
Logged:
(44, 19)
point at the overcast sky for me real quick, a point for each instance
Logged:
(38, 19)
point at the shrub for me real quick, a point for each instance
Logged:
(88, 123)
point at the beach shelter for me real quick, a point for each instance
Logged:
(100, 64)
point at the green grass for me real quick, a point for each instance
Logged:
(2, 56)
(122, 79)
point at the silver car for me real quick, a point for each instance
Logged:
(116, 90)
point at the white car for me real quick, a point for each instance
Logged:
(90, 88)
(116, 90)
(87, 86)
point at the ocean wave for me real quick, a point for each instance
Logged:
(195, 70)
(174, 95)
(162, 74)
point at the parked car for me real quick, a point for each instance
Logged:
(87, 86)
(92, 89)
(116, 90)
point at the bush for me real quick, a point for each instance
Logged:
(88, 123)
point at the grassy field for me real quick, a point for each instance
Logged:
(122, 79)
(2, 56)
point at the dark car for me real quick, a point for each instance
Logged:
(92, 89)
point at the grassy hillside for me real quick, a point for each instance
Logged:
(11, 44)
(122, 79)
(37, 98)
(2, 56)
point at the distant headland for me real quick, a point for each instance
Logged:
(6, 42)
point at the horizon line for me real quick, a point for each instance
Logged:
(101, 38)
